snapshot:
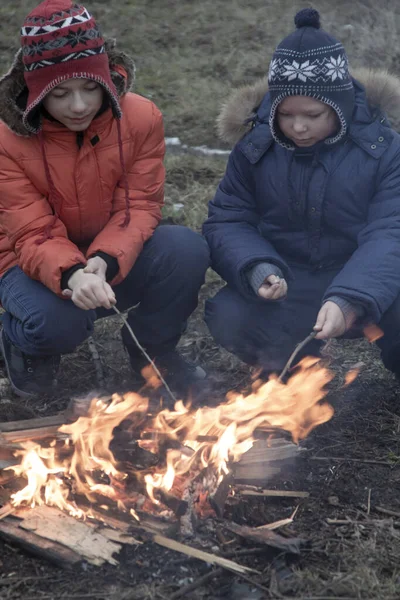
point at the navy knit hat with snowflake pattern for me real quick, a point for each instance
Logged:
(310, 62)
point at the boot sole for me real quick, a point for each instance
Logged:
(17, 391)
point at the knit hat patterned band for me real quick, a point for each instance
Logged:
(310, 62)
(61, 41)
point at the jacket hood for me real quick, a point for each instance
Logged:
(13, 90)
(235, 119)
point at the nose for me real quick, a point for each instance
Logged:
(78, 104)
(299, 126)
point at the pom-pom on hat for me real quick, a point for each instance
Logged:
(60, 41)
(310, 62)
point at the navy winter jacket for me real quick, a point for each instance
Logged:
(338, 207)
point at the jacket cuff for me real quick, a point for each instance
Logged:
(112, 264)
(258, 273)
(351, 311)
(68, 273)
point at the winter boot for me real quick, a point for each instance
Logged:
(29, 375)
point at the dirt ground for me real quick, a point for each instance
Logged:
(189, 56)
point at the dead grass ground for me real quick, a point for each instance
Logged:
(189, 56)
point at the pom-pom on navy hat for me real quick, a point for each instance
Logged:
(310, 62)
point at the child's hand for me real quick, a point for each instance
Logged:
(97, 266)
(273, 288)
(330, 322)
(89, 291)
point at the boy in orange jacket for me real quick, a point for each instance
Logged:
(81, 191)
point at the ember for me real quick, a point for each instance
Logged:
(189, 442)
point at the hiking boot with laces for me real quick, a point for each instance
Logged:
(29, 375)
(180, 375)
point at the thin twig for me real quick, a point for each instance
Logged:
(243, 552)
(143, 351)
(364, 523)
(387, 511)
(96, 360)
(197, 583)
(299, 347)
(357, 460)
(275, 493)
(281, 523)
(213, 559)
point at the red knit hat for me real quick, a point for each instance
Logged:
(60, 41)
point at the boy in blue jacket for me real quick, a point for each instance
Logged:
(305, 225)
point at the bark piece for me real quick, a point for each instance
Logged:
(49, 550)
(79, 536)
(266, 536)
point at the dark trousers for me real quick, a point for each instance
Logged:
(165, 279)
(265, 333)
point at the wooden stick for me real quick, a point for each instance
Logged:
(37, 433)
(58, 419)
(274, 493)
(295, 353)
(281, 523)
(366, 461)
(354, 522)
(341, 521)
(276, 524)
(387, 511)
(201, 555)
(6, 511)
(143, 351)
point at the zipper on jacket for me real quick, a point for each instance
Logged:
(79, 138)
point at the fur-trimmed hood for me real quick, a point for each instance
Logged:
(13, 87)
(235, 119)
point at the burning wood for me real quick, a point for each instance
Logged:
(193, 450)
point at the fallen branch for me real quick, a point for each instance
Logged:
(212, 559)
(274, 493)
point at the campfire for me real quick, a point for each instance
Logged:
(123, 464)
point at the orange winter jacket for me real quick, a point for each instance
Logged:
(89, 177)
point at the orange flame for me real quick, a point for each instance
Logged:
(212, 437)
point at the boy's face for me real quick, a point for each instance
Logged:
(306, 121)
(75, 103)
